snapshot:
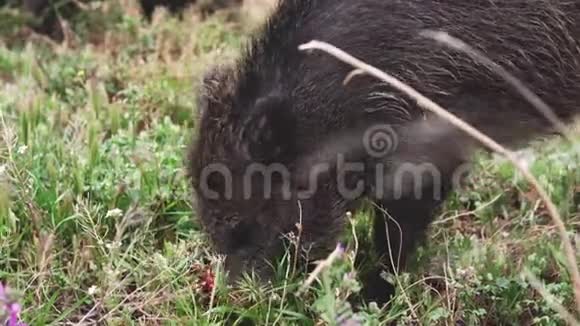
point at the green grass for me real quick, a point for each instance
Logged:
(95, 215)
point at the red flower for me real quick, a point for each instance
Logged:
(207, 281)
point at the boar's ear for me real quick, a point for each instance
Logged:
(214, 93)
(268, 134)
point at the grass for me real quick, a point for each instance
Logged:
(96, 224)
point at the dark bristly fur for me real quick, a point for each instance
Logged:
(279, 105)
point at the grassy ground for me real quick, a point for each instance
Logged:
(96, 224)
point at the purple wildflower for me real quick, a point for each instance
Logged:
(341, 248)
(9, 309)
(351, 322)
(2, 293)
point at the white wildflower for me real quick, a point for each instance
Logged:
(113, 245)
(93, 290)
(114, 213)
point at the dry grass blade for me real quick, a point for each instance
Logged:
(337, 253)
(395, 268)
(550, 300)
(534, 99)
(427, 104)
(298, 240)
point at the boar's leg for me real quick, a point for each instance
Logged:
(396, 235)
